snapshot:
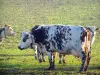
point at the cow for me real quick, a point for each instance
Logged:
(91, 34)
(6, 31)
(64, 39)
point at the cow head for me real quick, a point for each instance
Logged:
(9, 31)
(26, 40)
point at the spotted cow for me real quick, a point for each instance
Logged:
(64, 39)
(91, 37)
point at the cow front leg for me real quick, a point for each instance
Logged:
(43, 59)
(51, 58)
(39, 57)
(83, 57)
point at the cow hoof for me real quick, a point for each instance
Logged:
(60, 62)
(85, 69)
(43, 60)
(50, 68)
(80, 71)
(36, 58)
(40, 61)
(64, 62)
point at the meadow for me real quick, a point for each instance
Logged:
(22, 15)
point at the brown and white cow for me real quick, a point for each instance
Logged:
(6, 31)
(64, 39)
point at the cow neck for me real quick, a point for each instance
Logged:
(32, 42)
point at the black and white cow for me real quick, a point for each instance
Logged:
(91, 34)
(63, 39)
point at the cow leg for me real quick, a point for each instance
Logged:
(83, 57)
(0, 39)
(39, 57)
(87, 62)
(64, 59)
(36, 52)
(60, 58)
(51, 58)
(43, 57)
(36, 57)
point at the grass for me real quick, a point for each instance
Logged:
(23, 14)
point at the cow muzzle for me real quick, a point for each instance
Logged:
(20, 48)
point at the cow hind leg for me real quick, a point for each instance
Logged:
(83, 57)
(60, 58)
(64, 59)
(51, 58)
(87, 62)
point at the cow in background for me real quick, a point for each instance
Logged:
(6, 31)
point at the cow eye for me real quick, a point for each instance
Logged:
(24, 39)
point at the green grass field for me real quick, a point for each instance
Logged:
(23, 14)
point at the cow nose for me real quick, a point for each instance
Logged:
(20, 48)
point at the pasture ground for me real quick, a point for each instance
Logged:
(23, 14)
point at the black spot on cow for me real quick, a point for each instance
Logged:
(81, 28)
(69, 29)
(70, 39)
(47, 45)
(75, 44)
(40, 34)
(83, 35)
(53, 42)
(60, 36)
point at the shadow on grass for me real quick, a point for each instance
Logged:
(18, 55)
(42, 70)
(11, 69)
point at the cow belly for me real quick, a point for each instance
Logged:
(75, 53)
(68, 52)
